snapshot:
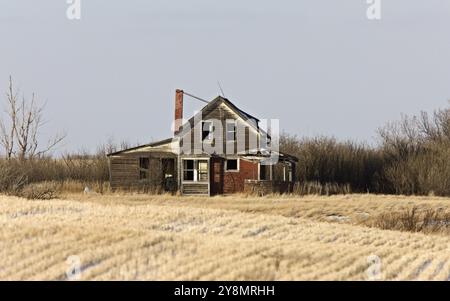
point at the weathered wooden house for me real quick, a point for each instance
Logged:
(220, 150)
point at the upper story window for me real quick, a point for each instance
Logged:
(231, 131)
(207, 130)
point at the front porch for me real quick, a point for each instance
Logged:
(195, 176)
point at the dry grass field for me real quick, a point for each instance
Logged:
(141, 237)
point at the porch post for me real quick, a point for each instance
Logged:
(180, 174)
(259, 171)
(209, 176)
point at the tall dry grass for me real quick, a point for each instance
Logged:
(141, 237)
(317, 188)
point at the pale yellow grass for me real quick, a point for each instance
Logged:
(127, 237)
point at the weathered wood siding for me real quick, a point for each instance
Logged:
(221, 113)
(125, 171)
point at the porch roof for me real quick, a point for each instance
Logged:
(137, 148)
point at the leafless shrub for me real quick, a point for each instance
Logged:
(326, 160)
(12, 179)
(413, 220)
(316, 188)
(40, 191)
(417, 152)
(412, 158)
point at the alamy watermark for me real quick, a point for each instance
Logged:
(73, 271)
(73, 11)
(374, 272)
(373, 12)
(229, 137)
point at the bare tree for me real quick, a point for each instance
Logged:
(20, 136)
(8, 126)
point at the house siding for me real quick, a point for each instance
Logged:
(222, 113)
(125, 172)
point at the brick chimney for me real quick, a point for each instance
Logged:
(178, 111)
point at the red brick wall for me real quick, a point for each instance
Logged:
(234, 181)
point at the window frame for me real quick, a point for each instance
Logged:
(143, 170)
(231, 122)
(209, 137)
(203, 172)
(238, 165)
(185, 169)
(196, 170)
(261, 168)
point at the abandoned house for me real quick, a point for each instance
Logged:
(220, 150)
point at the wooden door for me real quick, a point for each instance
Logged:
(216, 178)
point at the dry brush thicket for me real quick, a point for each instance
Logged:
(412, 157)
(127, 237)
(70, 174)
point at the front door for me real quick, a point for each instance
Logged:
(195, 177)
(216, 176)
(168, 173)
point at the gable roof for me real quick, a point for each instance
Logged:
(242, 114)
(217, 102)
(207, 108)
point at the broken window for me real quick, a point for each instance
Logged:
(262, 172)
(195, 170)
(188, 170)
(144, 168)
(232, 165)
(207, 130)
(231, 131)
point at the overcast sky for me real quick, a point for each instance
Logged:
(320, 66)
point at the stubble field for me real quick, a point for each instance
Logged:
(141, 237)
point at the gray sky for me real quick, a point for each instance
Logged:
(318, 65)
